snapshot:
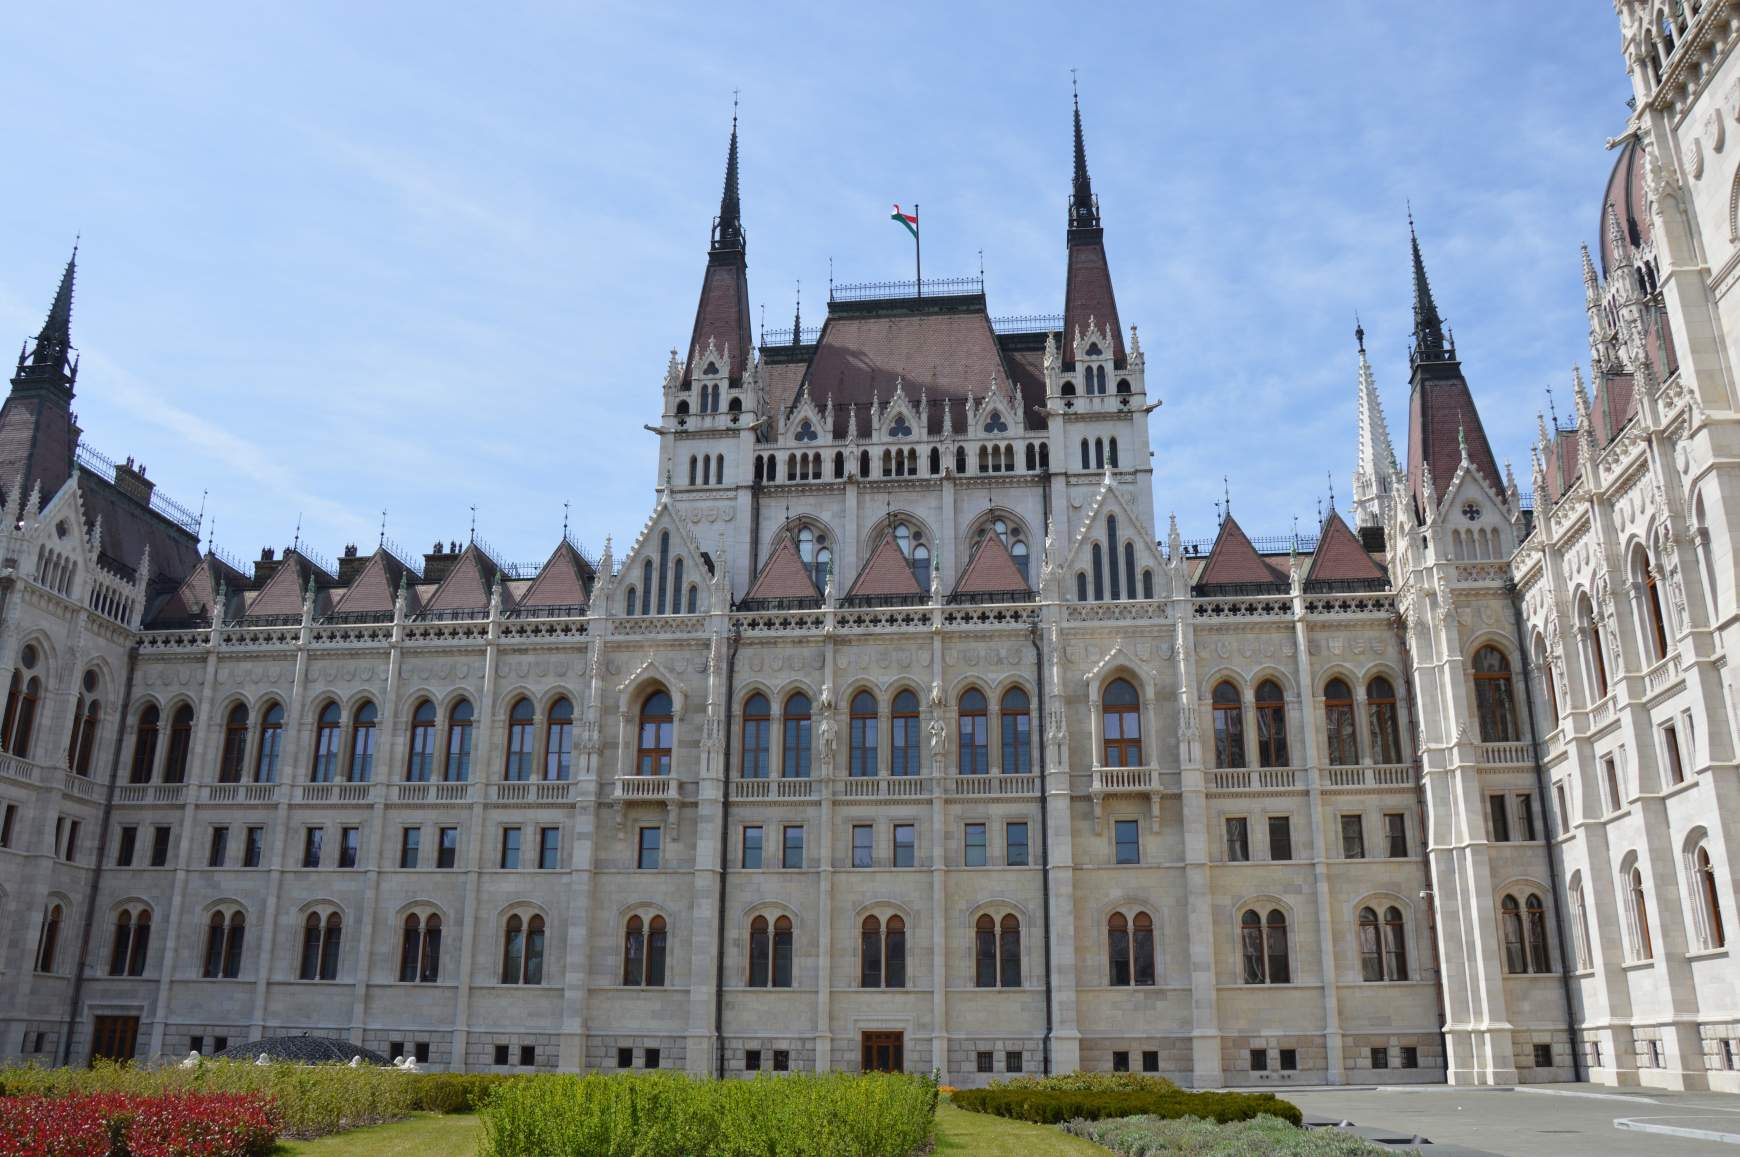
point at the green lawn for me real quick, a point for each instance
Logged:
(957, 1132)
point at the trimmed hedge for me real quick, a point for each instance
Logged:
(1151, 1136)
(1044, 1106)
(111, 1124)
(1079, 1082)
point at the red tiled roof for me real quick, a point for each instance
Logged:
(946, 357)
(1027, 368)
(1235, 560)
(722, 315)
(1339, 555)
(1440, 413)
(282, 594)
(466, 587)
(1088, 297)
(1625, 194)
(784, 575)
(563, 582)
(1617, 401)
(991, 570)
(191, 600)
(886, 572)
(375, 589)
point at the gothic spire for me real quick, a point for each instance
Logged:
(54, 342)
(728, 229)
(1429, 344)
(1084, 211)
(1376, 463)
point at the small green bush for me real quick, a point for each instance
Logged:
(1152, 1137)
(1090, 1083)
(1050, 1107)
(454, 1092)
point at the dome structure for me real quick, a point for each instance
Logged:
(302, 1050)
(1624, 196)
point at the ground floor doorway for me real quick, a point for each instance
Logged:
(884, 1052)
(115, 1038)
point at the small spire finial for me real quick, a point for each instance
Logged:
(296, 543)
(473, 522)
(383, 540)
(1226, 492)
(564, 521)
(1358, 331)
(1429, 341)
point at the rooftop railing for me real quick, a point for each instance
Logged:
(103, 467)
(896, 290)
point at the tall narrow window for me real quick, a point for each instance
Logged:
(975, 758)
(180, 745)
(1009, 951)
(459, 742)
(123, 941)
(1118, 948)
(759, 952)
(1098, 556)
(1122, 718)
(1657, 623)
(863, 735)
(1142, 949)
(655, 950)
(1017, 725)
(1342, 732)
(327, 730)
(634, 953)
(235, 748)
(1112, 554)
(1395, 944)
(903, 741)
(1251, 948)
(894, 953)
(1592, 639)
(1642, 948)
(870, 953)
(795, 751)
(559, 741)
(1229, 726)
(985, 952)
(757, 720)
(1280, 961)
(362, 743)
(1580, 913)
(1516, 959)
(1494, 703)
(782, 952)
(1380, 714)
(534, 967)
(429, 969)
(653, 754)
(1371, 958)
(520, 742)
(513, 948)
(1271, 725)
(1535, 915)
(1710, 900)
(145, 746)
(420, 764)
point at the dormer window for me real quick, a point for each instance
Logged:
(900, 428)
(996, 424)
(807, 431)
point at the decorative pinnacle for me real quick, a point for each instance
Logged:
(1428, 326)
(1359, 332)
(54, 341)
(728, 232)
(1591, 280)
(1083, 213)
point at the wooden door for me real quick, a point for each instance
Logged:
(884, 1052)
(115, 1038)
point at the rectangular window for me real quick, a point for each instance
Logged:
(447, 850)
(781, 1060)
(1120, 1062)
(648, 857)
(6, 823)
(793, 854)
(549, 848)
(125, 845)
(1564, 806)
(1396, 834)
(1015, 844)
(1012, 1062)
(1525, 816)
(528, 1056)
(1543, 1056)
(752, 1060)
(220, 1043)
(1728, 1055)
(905, 845)
(1238, 839)
(1610, 780)
(863, 837)
(349, 846)
(312, 838)
(1259, 1060)
(986, 1061)
(160, 846)
(254, 847)
(410, 846)
(1670, 743)
(196, 1044)
(1498, 819)
(510, 847)
(1380, 1057)
(1410, 1057)
(1353, 837)
(1280, 837)
(975, 846)
(220, 848)
(72, 840)
(1150, 1060)
(1655, 1054)
(501, 1054)
(1126, 842)
(652, 1058)
(625, 1058)
(1289, 1060)
(752, 846)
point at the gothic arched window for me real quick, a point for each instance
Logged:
(1017, 724)
(1339, 725)
(757, 721)
(1229, 726)
(235, 747)
(975, 752)
(1709, 899)
(1494, 703)
(904, 747)
(520, 741)
(327, 731)
(863, 735)
(145, 745)
(459, 717)
(420, 763)
(132, 942)
(1642, 948)
(653, 746)
(795, 750)
(1121, 715)
(1271, 725)
(559, 740)
(321, 937)
(1380, 715)
(180, 745)
(362, 742)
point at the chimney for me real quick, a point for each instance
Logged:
(131, 481)
(351, 565)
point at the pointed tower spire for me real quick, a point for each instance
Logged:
(1373, 475)
(797, 317)
(1088, 298)
(728, 229)
(1084, 210)
(54, 342)
(1429, 342)
(722, 317)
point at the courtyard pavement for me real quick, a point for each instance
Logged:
(1544, 1120)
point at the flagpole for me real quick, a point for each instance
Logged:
(917, 251)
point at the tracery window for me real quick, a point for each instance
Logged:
(1380, 715)
(1229, 726)
(320, 944)
(1494, 704)
(1338, 720)
(975, 754)
(1122, 718)
(862, 736)
(653, 751)
(132, 942)
(1271, 725)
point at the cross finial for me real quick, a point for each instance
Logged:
(383, 541)
(1226, 492)
(297, 542)
(474, 522)
(564, 520)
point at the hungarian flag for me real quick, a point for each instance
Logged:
(910, 220)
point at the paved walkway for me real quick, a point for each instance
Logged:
(1545, 1120)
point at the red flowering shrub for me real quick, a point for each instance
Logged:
(120, 1125)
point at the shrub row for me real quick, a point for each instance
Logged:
(1152, 1136)
(670, 1115)
(1052, 1106)
(1089, 1083)
(122, 1125)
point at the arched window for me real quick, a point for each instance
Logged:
(757, 720)
(1112, 550)
(1118, 948)
(1637, 905)
(270, 743)
(985, 952)
(1251, 948)
(870, 953)
(1580, 913)
(83, 741)
(694, 467)
(1544, 664)
(1395, 944)
(145, 745)
(235, 747)
(1380, 714)
(840, 463)
(770, 955)
(327, 730)
(1383, 949)
(997, 951)
(420, 764)
(903, 739)
(894, 953)
(921, 565)
(1494, 704)
(863, 734)
(362, 742)
(1535, 915)
(646, 587)
(1280, 963)
(1045, 456)
(693, 593)
(223, 945)
(1263, 948)
(676, 586)
(180, 745)
(975, 752)
(522, 950)
(1371, 956)
(760, 952)
(1121, 710)
(459, 717)
(1081, 590)
(48, 938)
(1009, 951)
(656, 951)
(559, 740)
(1086, 462)
(1652, 603)
(520, 741)
(1712, 932)
(1339, 725)
(1112, 451)
(1271, 725)
(664, 570)
(1229, 726)
(864, 463)
(1596, 653)
(420, 950)
(1017, 732)
(1142, 949)
(1516, 959)
(132, 942)
(985, 459)
(782, 952)
(653, 747)
(632, 602)
(634, 953)
(320, 942)
(794, 752)
(1099, 454)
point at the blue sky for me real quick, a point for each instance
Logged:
(345, 258)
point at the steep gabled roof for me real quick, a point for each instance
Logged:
(564, 581)
(1235, 560)
(1340, 557)
(192, 600)
(784, 576)
(282, 594)
(886, 573)
(466, 587)
(991, 570)
(375, 589)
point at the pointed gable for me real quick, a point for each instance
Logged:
(466, 587)
(1235, 561)
(785, 576)
(991, 570)
(281, 597)
(564, 581)
(886, 574)
(192, 600)
(376, 588)
(1340, 557)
